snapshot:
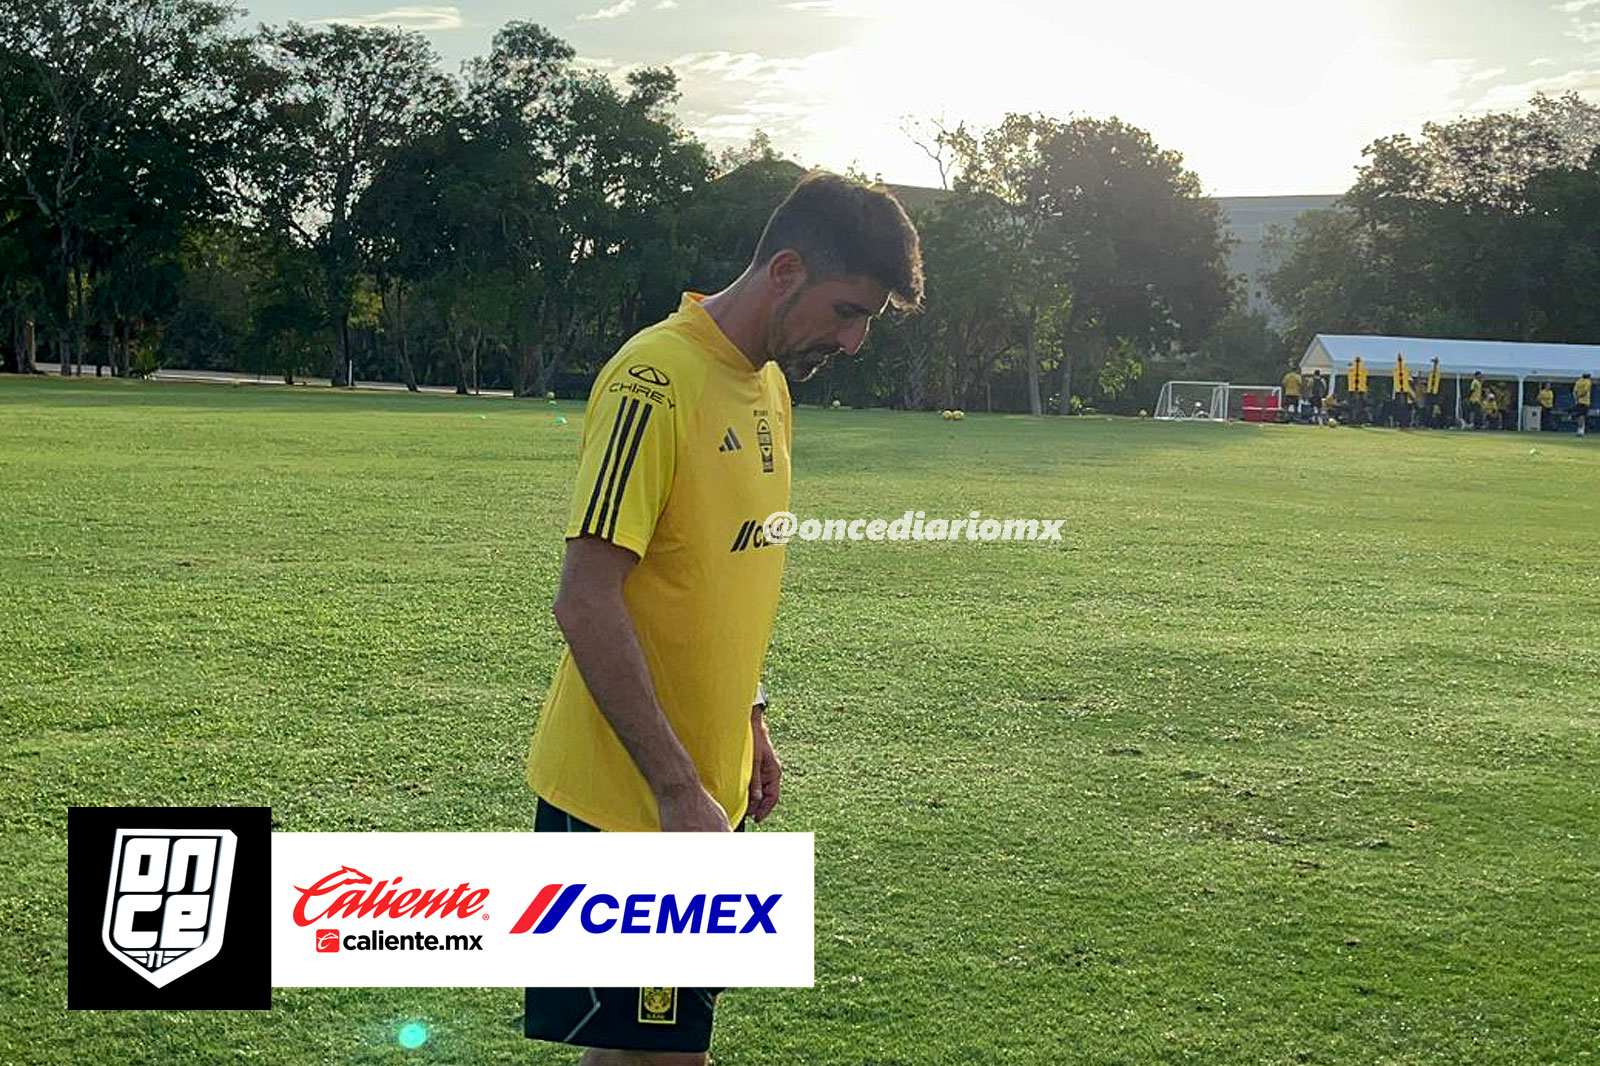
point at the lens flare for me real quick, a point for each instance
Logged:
(413, 1035)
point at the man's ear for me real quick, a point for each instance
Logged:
(786, 272)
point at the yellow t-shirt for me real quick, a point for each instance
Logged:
(1580, 390)
(1547, 398)
(1475, 390)
(685, 453)
(1291, 384)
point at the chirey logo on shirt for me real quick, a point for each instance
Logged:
(167, 903)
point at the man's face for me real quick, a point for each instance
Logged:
(818, 320)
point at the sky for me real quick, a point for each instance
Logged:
(1261, 97)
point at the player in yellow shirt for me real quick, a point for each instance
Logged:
(1581, 392)
(655, 719)
(1475, 400)
(1291, 394)
(1547, 407)
(1491, 409)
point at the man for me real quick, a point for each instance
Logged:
(1291, 394)
(1475, 400)
(1319, 392)
(669, 586)
(1547, 407)
(1581, 391)
(1491, 408)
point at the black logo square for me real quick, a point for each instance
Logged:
(167, 908)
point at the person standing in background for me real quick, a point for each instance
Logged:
(1547, 407)
(1291, 394)
(1581, 390)
(1318, 393)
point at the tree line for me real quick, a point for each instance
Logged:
(326, 200)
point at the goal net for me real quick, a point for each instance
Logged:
(1193, 399)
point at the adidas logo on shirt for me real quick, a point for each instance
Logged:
(730, 443)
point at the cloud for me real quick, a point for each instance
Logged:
(615, 11)
(1584, 81)
(665, 5)
(406, 17)
(1574, 7)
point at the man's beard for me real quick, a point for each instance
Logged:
(803, 365)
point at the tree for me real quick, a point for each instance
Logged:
(724, 220)
(1111, 239)
(335, 104)
(96, 144)
(1480, 229)
(1146, 251)
(1007, 164)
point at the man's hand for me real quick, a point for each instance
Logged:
(691, 810)
(766, 773)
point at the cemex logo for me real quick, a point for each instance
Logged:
(645, 912)
(753, 534)
(367, 900)
(155, 894)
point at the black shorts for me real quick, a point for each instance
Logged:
(1580, 410)
(624, 1019)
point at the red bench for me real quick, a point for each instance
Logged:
(1261, 407)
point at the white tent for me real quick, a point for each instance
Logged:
(1507, 360)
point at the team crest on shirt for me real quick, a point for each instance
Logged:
(658, 1006)
(764, 442)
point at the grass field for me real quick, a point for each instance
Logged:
(1289, 754)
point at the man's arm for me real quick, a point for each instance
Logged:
(593, 617)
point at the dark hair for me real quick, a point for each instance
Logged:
(842, 228)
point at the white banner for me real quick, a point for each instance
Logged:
(473, 910)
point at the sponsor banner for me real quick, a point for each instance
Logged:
(471, 910)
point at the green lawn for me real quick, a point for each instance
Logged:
(1289, 754)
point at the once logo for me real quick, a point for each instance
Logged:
(167, 903)
(361, 902)
(646, 912)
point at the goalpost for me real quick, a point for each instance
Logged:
(1206, 400)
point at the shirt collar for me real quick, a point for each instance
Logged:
(705, 329)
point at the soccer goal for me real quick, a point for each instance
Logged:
(1193, 399)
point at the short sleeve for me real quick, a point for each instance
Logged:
(630, 451)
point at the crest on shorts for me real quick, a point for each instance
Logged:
(658, 1006)
(167, 903)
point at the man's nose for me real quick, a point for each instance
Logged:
(854, 335)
